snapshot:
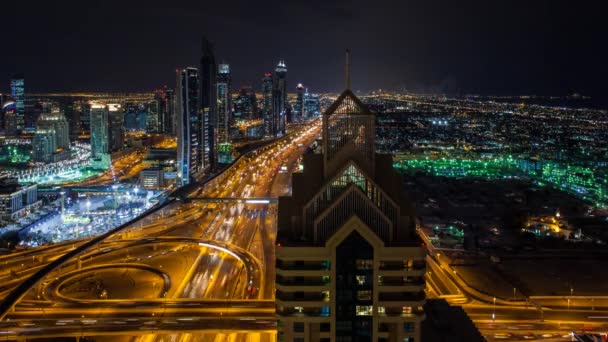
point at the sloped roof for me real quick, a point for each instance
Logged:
(348, 103)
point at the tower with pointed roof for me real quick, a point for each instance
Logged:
(349, 265)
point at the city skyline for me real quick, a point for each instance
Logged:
(226, 172)
(500, 49)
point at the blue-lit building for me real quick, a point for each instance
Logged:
(312, 105)
(245, 106)
(298, 109)
(190, 161)
(18, 94)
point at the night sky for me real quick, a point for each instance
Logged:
(459, 47)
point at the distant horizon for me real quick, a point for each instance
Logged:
(501, 48)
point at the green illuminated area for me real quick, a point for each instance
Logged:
(15, 154)
(584, 182)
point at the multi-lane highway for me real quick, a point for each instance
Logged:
(519, 318)
(194, 266)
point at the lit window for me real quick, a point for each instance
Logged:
(406, 310)
(299, 309)
(364, 310)
(381, 310)
(364, 264)
(361, 279)
(364, 295)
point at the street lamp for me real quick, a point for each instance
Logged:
(514, 291)
(494, 312)
(88, 207)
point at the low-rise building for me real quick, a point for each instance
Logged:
(17, 200)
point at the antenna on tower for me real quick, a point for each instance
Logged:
(347, 69)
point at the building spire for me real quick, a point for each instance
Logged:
(347, 69)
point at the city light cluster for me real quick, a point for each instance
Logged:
(581, 181)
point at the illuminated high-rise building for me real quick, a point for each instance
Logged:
(51, 142)
(190, 162)
(131, 117)
(85, 109)
(99, 131)
(312, 105)
(224, 103)
(44, 145)
(279, 96)
(116, 133)
(153, 113)
(245, 106)
(57, 122)
(208, 103)
(349, 264)
(170, 120)
(9, 118)
(267, 110)
(298, 108)
(72, 113)
(18, 94)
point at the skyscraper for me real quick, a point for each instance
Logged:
(224, 103)
(312, 105)
(190, 160)
(72, 113)
(51, 142)
(349, 266)
(56, 121)
(280, 96)
(116, 133)
(43, 145)
(18, 94)
(153, 113)
(208, 103)
(86, 116)
(245, 106)
(298, 109)
(170, 120)
(131, 117)
(99, 130)
(10, 118)
(267, 110)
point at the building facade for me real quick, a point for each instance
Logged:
(51, 142)
(312, 105)
(208, 103)
(280, 96)
(190, 160)
(18, 94)
(99, 130)
(43, 145)
(245, 106)
(116, 132)
(349, 264)
(224, 103)
(16, 200)
(298, 108)
(267, 110)
(57, 121)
